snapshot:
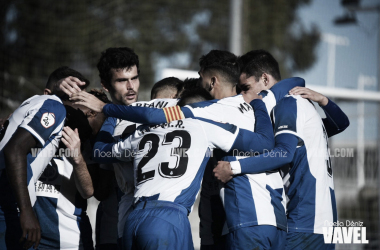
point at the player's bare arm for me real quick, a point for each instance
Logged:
(82, 177)
(15, 153)
(88, 100)
(310, 94)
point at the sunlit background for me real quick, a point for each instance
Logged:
(333, 44)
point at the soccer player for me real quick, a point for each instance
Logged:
(119, 75)
(36, 124)
(66, 184)
(166, 88)
(220, 75)
(169, 163)
(301, 150)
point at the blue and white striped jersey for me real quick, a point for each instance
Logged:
(43, 116)
(60, 209)
(120, 129)
(169, 159)
(309, 179)
(248, 200)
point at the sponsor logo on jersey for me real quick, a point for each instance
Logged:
(47, 120)
(283, 127)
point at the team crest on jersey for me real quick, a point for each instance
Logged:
(47, 120)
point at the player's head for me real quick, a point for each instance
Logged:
(194, 95)
(259, 70)
(86, 120)
(119, 74)
(219, 72)
(59, 74)
(189, 83)
(166, 88)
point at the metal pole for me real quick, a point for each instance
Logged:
(236, 12)
(360, 139)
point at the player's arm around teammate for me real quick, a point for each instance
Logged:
(336, 120)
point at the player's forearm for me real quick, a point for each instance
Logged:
(144, 115)
(281, 155)
(83, 181)
(336, 120)
(263, 124)
(16, 167)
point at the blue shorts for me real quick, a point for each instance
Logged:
(257, 237)
(158, 225)
(306, 241)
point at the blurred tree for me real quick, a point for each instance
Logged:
(272, 25)
(38, 36)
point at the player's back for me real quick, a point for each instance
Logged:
(169, 159)
(310, 173)
(249, 198)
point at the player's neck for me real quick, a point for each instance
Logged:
(225, 92)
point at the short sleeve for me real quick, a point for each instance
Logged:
(219, 135)
(210, 109)
(45, 121)
(288, 118)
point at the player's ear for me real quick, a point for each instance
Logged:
(47, 91)
(265, 79)
(213, 81)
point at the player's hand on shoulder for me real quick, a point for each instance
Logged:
(223, 171)
(72, 141)
(310, 94)
(250, 95)
(31, 231)
(88, 100)
(69, 85)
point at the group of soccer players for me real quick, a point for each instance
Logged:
(252, 144)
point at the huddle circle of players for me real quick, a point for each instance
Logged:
(251, 143)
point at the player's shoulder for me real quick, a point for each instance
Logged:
(42, 99)
(289, 99)
(47, 105)
(209, 124)
(286, 105)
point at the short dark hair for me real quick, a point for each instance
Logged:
(116, 58)
(63, 72)
(98, 93)
(193, 95)
(165, 84)
(188, 83)
(223, 63)
(256, 62)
